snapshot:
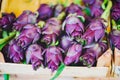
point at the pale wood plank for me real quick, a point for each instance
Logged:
(11, 68)
(105, 59)
(1, 57)
(117, 57)
(34, 77)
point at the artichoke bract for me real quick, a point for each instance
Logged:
(88, 1)
(34, 55)
(115, 38)
(115, 12)
(27, 17)
(73, 54)
(45, 12)
(73, 26)
(95, 31)
(66, 42)
(7, 20)
(15, 52)
(92, 53)
(74, 8)
(51, 30)
(30, 34)
(53, 57)
(58, 9)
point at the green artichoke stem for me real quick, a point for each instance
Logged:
(106, 13)
(7, 38)
(59, 71)
(104, 3)
(6, 76)
(61, 15)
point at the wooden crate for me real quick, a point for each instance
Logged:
(25, 72)
(69, 73)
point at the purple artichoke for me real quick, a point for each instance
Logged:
(115, 12)
(0, 32)
(73, 26)
(51, 30)
(66, 42)
(96, 9)
(92, 53)
(73, 54)
(53, 56)
(115, 38)
(34, 55)
(90, 2)
(95, 31)
(15, 52)
(30, 34)
(58, 9)
(118, 1)
(45, 12)
(74, 8)
(7, 20)
(27, 17)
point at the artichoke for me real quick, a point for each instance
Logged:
(15, 52)
(95, 31)
(96, 9)
(92, 53)
(53, 57)
(74, 8)
(30, 34)
(45, 12)
(73, 26)
(34, 55)
(73, 54)
(90, 2)
(115, 12)
(7, 20)
(51, 30)
(27, 17)
(66, 42)
(58, 9)
(115, 38)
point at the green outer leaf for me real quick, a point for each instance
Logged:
(81, 18)
(87, 11)
(6, 76)
(59, 71)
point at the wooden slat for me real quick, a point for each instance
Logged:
(1, 57)
(34, 77)
(11, 68)
(117, 57)
(105, 59)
